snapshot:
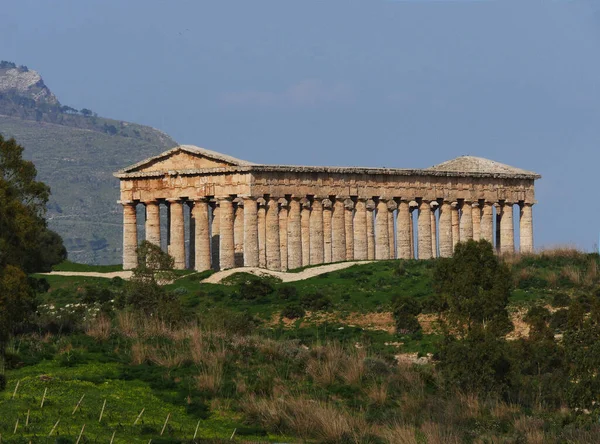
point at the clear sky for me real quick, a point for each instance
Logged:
(364, 83)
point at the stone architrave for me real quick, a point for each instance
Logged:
(294, 235)
(305, 225)
(360, 230)
(177, 246)
(424, 229)
(403, 231)
(273, 245)
(201, 234)
(283, 233)
(327, 210)
(215, 240)
(370, 230)
(250, 232)
(526, 228)
(130, 239)
(445, 229)
(238, 233)
(466, 221)
(317, 253)
(227, 246)
(153, 222)
(433, 230)
(487, 222)
(476, 213)
(382, 243)
(455, 224)
(349, 228)
(338, 232)
(262, 234)
(507, 242)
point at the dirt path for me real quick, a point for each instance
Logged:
(121, 274)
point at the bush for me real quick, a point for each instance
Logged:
(293, 311)
(561, 300)
(2, 382)
(407, 324)
(287, 292)
(255, 288)
(316, 301)
(559, 320)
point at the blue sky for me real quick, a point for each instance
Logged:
(370, 83)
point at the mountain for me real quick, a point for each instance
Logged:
(75, 153)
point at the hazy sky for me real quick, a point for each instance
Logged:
(369, 83)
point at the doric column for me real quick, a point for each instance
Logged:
(129, 236)
(476, 213)
(177, 246)
(487, 222)
(201, 235)
(294, 235)
(273, 252)
(382, 243)
(498, 227)
(262, 234)
(238, 233)
(403, 223)
(338, 232)
(424, 229)
(360, 230)
(283, 234)
(317, 253)
(445, 229)
(455, 224)
(349, 228)
(153, 222)
(412, 230)
(507, 242)
(526, 228)
(391, 231)
(433, 230)
(215, 240)
(327, 209)
(370, 231)
(466, 222)
(305, 225)
(191, 234)
(227, 246)
(250, 232)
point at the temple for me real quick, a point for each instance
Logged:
(220, 212)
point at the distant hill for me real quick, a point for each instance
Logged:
(75, 152)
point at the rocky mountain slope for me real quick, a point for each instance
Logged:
(75, 152)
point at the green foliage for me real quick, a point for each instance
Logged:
(561, 299)
(293, 311)
(316, 301)
(405, 310)
(255, 288)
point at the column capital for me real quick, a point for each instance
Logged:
(174, 200)
(127, 202)
(526, 204)
(226, 198)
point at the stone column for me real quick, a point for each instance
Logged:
(305, 224)
(317, 253)
(215, 241)
(412, 230)
(262, 234)
(338, 232)
(227, 246)
(129, 236)
(370, 231)
(201, 235)
(476, 213)
(466, 222)
(250, 232)
(445, 229)
(424, 229)
(349, 228)
(177, 247)
(498, 227)
(153, 222)
(294, 235)
(238, 233)
(283, 234)
(273, 246)
(360, 230)
(455, 224)
(487, 223)
(382, 243)
(433, 230)
(507, 242)
(327, 209)
(391, 230)
(191, 255)
(526, 228)
(403, 223)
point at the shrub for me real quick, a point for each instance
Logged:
(287, 292)
(561, 300)
(559, 320)
(293, 311)
(2, 382)
(316, 301)
(255, 288)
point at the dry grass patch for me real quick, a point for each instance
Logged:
(99, 328)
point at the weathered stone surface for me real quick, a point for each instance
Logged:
(526, 228)
(327, 213)
(433, 230)
(262, 234)
(476, 214)
(250, 232)
(273, 246)
(455, 224)
(177, 236)
(153, 222)
(283, 234)
(391, 231)
(360, 230)
(338, 232)
(227, 247)
(305, 224)
(370, 230)
(466, 221)
(316, 233)
(507, 238)
(424, 230)
(403, 230)
(382, 243)
(445, 229)
(202, 233)
(238, 234)
(349, 227)
(294, 235)
(129, 236)
(215, 241)
(487, 222)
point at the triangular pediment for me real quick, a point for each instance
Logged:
(479, 165)
(185, 157)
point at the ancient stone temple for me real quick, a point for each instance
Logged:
(210, 210)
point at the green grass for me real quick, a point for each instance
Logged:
(73, 266)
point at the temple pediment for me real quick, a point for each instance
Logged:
(479, 165)
(184, 157)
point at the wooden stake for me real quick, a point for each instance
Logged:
(16, 427)
(102, 411)
(52, 431)
(78, 404)
(139, 416)
(16, 388)
(44, 397)
(165, 424)
(196, 431)
(27, 419)
(80, 434)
